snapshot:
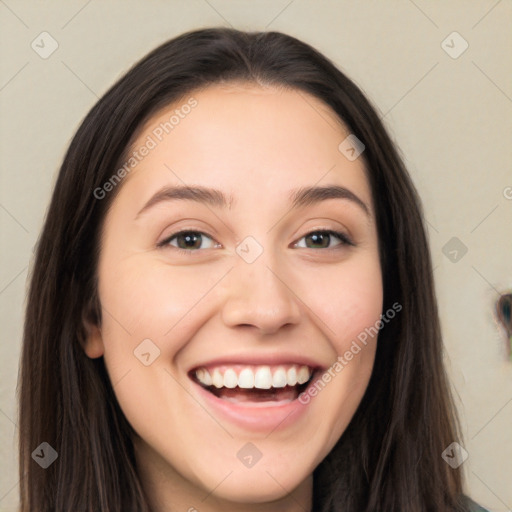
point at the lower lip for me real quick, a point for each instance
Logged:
(256, 416)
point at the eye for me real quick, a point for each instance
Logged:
(323, 238)
(187, 241)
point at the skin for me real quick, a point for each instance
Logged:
(255, 143)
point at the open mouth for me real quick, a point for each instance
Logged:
(245, 384)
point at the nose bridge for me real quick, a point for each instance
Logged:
(260, 294)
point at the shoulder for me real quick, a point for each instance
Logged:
(472, 506)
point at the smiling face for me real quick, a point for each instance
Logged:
(257, 290)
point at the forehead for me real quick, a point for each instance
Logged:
(244, 137)
(233, 101)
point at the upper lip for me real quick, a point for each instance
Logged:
(260, 360)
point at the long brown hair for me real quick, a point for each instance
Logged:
(388, 459)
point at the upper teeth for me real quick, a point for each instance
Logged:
(260, 377)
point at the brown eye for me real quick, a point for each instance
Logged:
(187, 241)
(322, 240)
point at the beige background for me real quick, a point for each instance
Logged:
(450, 117)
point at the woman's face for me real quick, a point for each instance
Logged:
(254, 292)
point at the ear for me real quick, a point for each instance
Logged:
(93, 345)
(93, 342)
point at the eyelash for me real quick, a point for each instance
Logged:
(344, 239)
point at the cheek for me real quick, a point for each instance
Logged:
(144, 298)
(149, 299)
(347, 301)
(347, 298)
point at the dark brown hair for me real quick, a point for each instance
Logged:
(388, 459)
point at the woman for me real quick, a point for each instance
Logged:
(294, 361)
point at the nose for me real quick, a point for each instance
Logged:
(260, 294)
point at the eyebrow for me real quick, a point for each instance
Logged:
(299, 198)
